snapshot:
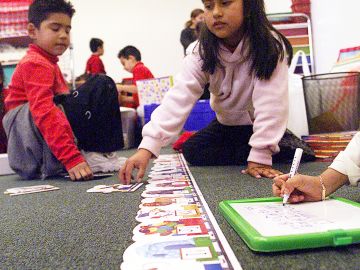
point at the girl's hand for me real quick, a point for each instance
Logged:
(81, 171)
(258, 170)
(302, 188)
(139, 161)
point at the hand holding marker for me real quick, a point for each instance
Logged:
(294, 167)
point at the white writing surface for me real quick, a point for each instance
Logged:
(274, 219)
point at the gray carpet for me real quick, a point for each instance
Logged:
(70, 228)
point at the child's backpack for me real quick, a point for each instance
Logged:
(94, 115)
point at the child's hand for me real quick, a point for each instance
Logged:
(300, 187)
(258, 170)
(139, 161)
(81, 171)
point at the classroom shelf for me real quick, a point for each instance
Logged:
(16, 41)
(296, 27)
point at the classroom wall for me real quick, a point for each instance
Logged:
(336, 25)
(154, 26)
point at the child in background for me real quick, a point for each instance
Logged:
(188, 34)
(345, 169)
(245, 60)
(192, 45)
(94, 65)
(130, 58)
(39, 134)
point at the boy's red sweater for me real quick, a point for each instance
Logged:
(140, 72)
(94, 65)
(37, 79)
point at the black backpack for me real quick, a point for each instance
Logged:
(94, 114)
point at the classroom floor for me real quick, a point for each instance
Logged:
(73, 229)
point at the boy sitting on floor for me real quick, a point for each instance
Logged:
(40, 139)
(130, 58)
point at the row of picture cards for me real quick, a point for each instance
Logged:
(176, 227)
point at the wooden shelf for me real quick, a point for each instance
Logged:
(16, 41)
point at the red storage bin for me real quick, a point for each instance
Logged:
(296, 2)
(301, 8)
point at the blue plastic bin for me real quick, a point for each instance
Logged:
(200, 116)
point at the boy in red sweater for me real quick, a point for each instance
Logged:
(130, 58)
(39, 134)
(94, 65)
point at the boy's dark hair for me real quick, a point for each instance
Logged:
(39, 10)
(264, 49)
(95, 43)
(130, 50)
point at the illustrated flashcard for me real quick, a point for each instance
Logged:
(182, 227)
(29, 189)
(172, 164)
(166, 176)
(169, 179)
(170, 171)
(165, 168)
(114, 188)
(199, 249)
(183, 211)
(169, 264)
(167, 185)
(167, 158)
(168, 201)
(167, 192)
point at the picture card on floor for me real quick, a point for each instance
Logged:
(168, 185)
(183, 211)
(163, 264)
(114, 188)
(200, 249)
(167, 192)
(169, 179)
(29, 189)
(167, 201)
(166, 228)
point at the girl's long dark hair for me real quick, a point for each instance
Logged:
(264, 49)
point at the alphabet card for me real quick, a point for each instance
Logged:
(166, 228)
(167, 201)
(183, 211)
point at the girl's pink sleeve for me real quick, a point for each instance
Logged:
(270, 100)
(169, 118)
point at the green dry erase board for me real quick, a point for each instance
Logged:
(266, 225)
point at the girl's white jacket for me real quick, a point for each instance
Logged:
(348, 161)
